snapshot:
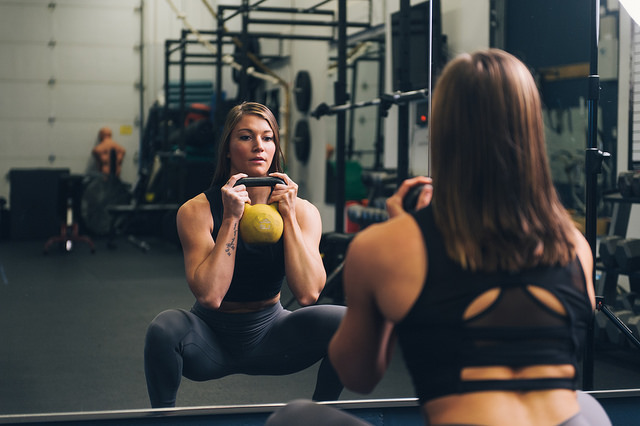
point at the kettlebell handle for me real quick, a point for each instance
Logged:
(260, 181)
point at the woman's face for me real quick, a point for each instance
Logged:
(251, 146)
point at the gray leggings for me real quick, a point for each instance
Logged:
(204, 344)
(309, 413)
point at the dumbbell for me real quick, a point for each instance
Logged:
(626, 183)
(628, 254)
(364, 215)
(261, 223)
(607, 250)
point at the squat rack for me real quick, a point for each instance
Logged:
(401, 98)
(241, 40)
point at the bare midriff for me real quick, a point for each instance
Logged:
(244, 307)
(506, 407)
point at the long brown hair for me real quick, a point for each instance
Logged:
(494, 198)
(223, 167)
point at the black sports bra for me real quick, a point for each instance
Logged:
(259, 269)
(515, 330)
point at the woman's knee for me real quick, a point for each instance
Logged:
(166, 327)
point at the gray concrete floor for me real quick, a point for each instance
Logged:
(73, 325)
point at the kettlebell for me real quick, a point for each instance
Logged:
(410, 200)
(261, 223)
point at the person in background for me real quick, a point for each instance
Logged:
(488, 288)
(237, 323)
(108, 152)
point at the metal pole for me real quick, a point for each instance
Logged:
(592, 176)
(378, 163)
(219, 34)
(404, 28)
(340, 98)
(244, 76)
(141, 120)
(352, 113)
(182, 171)
(167, 92)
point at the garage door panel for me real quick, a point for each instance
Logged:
(24, 100)
(88, 101)
(25, 62)
(108, 64)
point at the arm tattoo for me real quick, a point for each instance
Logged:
(232, 244)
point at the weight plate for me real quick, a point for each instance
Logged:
(302, 91)
(302, 141)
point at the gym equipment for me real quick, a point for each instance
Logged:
(71, 188)
(302, 91)
(100, 194)
(613, 332)
(302, 141)
(625, 183)
(410, 200)
(617, 322)
(260, 223)
(365, 215)
(628, 254)
(635, 184)
(633, 322)
(593, 166)
(386, 101)
(607, 250)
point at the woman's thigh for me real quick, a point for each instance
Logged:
(295, 340)
(304, 412)
(193, 344)
(591, 413)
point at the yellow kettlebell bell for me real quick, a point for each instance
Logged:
(261, 223)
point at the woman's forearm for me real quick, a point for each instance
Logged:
(303, 265)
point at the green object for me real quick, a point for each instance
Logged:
(354, 188)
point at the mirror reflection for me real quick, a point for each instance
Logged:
(89, 256)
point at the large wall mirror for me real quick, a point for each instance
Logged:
(551, 37)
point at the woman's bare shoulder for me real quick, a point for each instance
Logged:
(194, 207)
(382, 249)
(390, 258)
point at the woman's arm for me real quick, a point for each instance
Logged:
(584, 253)
(361, 349)
(209, 265)
(305, 271)
(384, 270)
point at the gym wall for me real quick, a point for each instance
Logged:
(70, 67)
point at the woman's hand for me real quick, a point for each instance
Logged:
(394, 203)
(285, 195)
(234, 197)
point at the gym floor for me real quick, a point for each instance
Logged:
(73, 326)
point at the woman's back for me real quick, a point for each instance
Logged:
(476, 337)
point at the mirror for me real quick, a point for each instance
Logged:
(111, 320)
